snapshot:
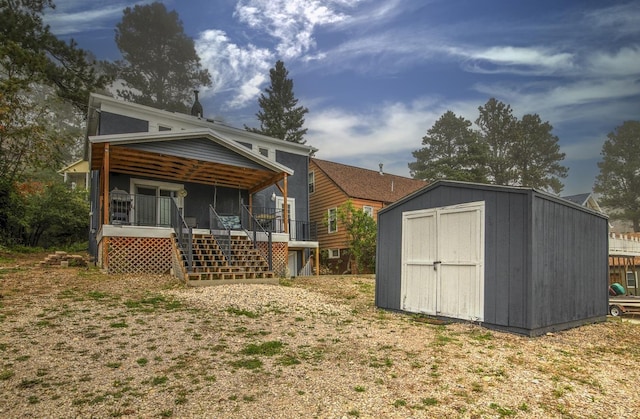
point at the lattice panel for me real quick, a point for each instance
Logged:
(139, 255)
(279, 256)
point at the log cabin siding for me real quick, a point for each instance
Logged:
(326, 195)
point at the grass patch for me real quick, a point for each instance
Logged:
(242, 312)
(153, 303)
(119, 324)
(266, 349)
(6, 374)
(247, 363)
(502, 411)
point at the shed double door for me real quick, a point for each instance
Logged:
(443, 261)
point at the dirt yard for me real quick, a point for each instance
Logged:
(77, 343)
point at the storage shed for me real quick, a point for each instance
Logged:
(509, 258)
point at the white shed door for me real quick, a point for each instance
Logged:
(443, 261)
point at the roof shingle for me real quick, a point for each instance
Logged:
(369, 184)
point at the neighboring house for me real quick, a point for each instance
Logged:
(509, 258)
(76, 174)
(332, 185)
(178, 193)
(624, 260)
(585, 200)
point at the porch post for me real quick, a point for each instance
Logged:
(285, 210)
(105, 191)
(317, 261)
(105, 205)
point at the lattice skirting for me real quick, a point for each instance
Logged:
(279, 255)
(137, 255)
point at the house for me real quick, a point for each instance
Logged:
(586, 200)
(178, 193)
(509, 258)
(76, 174)
(624, 261)
(332, 185)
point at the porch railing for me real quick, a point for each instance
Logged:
(272, 220)
(140, 210)
(184, 234)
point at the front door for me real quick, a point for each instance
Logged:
(443, 261)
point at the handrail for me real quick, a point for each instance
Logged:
(250, 224)
(224, 240)
(184, 234)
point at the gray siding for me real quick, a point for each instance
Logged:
(197, 148)
(111, 123)
(545, 259)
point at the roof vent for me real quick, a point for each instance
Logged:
(196, 109)
(381, 172)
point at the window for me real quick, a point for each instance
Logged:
(312, 182)
(332, 218)
(368, 210)
(163, 128)
(264, 151)
(334, 253)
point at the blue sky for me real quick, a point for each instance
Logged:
(376, 74)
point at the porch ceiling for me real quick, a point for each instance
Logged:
(162, 166)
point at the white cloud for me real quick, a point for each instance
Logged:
(620, 19)
(291, 22)
(625, 62)
(73, 16)
(241, 70)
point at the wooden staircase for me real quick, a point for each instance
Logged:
(211, 266)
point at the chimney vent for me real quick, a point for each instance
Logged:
(381, 172)
(196, 109)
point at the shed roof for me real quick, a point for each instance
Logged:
(513, 189)
(357, 182)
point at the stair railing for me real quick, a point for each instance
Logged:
(252, 227)
(221, 230)
(184, 234)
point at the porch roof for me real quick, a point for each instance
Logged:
(201, 156)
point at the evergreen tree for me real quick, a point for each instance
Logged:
(619, 177)
(536, 155)
(498, 131)
(451, 151)
(160, 66)
(280, 117)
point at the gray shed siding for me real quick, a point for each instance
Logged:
(530, 240)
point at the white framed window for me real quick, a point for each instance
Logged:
(312, 182)
(334, 253)
(264, 151)
(367, 209)
(332, 220)
(163, 128)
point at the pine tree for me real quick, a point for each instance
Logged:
(160, 66)
(451, 151)
(619, 177)
(280, 117)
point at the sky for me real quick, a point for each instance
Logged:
(376, 74)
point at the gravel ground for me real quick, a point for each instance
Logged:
(77, 343)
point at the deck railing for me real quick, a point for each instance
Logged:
(184, 235)
(220, 227)
(252, 226)
(272, 220)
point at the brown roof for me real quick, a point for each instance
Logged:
(369, 184)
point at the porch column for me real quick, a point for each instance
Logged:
(285, 210)
(105, 204)
(317, 261)
(105, 190)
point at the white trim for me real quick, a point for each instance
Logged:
(368, 209)
(332, 255)
(329, 231)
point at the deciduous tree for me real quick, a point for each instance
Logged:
(280, 116)
(361, 232)
(619, 177)
(159, 66)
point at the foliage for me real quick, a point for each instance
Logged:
(362, 232)
(31, 54)
(280, 117)
(451, 151)
(503, 150)
(160, 66)
(619, 177)
(48, 215)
